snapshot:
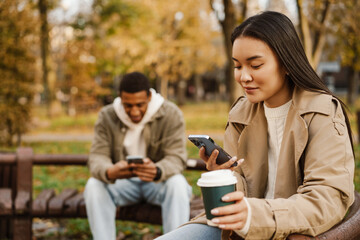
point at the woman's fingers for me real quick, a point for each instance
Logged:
(211, 163)
(232, 216)
(233, 226)
(202, 154)
(235, 221)
(236, 207)
(229, 163)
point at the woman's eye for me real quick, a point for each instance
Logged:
(237, 67)
(256, 66)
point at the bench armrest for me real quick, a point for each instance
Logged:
(22, 202)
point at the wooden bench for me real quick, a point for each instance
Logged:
(17, 208)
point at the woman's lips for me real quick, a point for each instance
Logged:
(250, 89)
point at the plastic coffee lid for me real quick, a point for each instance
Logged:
(217, 178)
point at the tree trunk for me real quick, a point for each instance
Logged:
(199, 88)
(164, 87)
(228, 25)
(44, 47)
(353, 85)
(313, 46)
(181, 91)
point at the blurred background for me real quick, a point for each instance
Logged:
(62, 60)
(68, 56)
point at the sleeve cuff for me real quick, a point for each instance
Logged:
(243, 232)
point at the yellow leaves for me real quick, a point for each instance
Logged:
(174, 39)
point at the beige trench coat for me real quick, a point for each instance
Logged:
(314, 183)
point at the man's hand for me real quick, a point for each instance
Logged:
(120, 170)
(145, 171)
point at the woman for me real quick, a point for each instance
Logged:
(294, 135)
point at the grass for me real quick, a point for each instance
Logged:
(205, 118)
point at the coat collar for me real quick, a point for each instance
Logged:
(303, 101)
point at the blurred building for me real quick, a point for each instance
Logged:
(335, 76)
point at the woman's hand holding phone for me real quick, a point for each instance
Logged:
(213, 155)
(211, 161)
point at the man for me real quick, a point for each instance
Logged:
(139, 123)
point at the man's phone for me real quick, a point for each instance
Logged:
(134, 159)
(210, 146)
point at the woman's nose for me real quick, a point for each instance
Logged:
(245, 76)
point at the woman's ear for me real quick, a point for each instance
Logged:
(286, 72)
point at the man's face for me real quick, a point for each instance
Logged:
(135, 104)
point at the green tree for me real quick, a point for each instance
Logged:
(17, 68)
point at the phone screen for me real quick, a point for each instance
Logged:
(134, 159)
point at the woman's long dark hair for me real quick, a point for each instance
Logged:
(278, 32)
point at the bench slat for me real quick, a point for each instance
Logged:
(5, 202)
(74, 206)
(196, 207)
(56, 204)
(82, 209)
(141, 212)
(71, 206)
(40, 204)
(22, 202)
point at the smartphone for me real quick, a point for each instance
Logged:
(210, 146)
(134, 159)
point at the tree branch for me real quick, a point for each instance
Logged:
(305, 31)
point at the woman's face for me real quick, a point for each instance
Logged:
(259, 72)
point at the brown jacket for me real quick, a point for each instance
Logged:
(314, 183)
(164, 137)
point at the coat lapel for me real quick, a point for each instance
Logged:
(305, 104)
(293, 145)
(252, 146)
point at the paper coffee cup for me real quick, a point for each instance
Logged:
(214, 185)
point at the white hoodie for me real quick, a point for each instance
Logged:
(134, 142)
